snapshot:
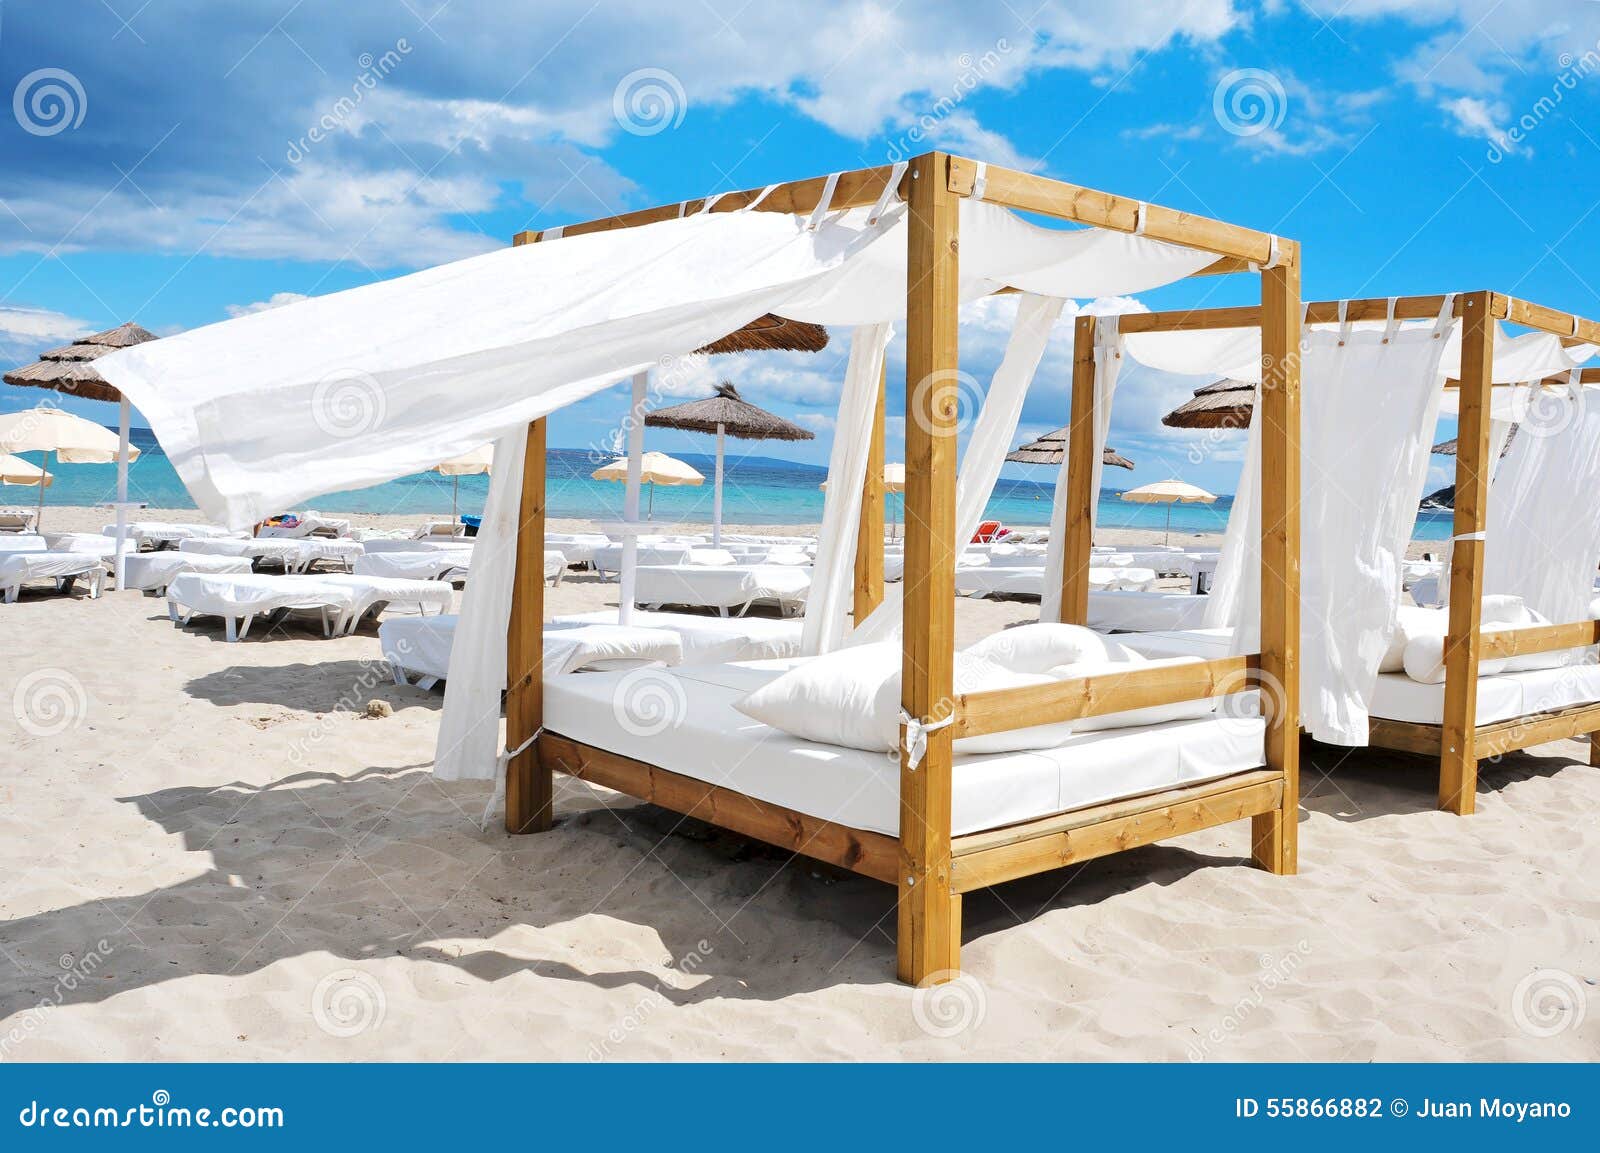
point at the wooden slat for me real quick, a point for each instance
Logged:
(1249, 316)
(1541, 728)
(1081, 497)
(985, 859)
(1030, 193)
(1000, 710)
(529, 795)
(855, 189)
(1458, 766)
(870, 854)
(869, 530)
(1275, 834)
(929, 936)
(1404, 736)
(1551, 320)
(1497, 643)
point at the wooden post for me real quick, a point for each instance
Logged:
(869, 531)
(530, 796)
(929, 928)
(1274, 835)
(1080, 495)
(1458, 766)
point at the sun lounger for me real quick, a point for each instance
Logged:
(64, 568)
(160, 534)
(1028, 580)
(22, 542)
(306, 524)
(238, 598)
(578, 547)
(417, 564)
(284, 554)
(17, 520)
(724, 587)
(420, 647)
(608, 560)
(152, 572)
(105, 547)
(312, 551)
(706, 639)
(370, 595)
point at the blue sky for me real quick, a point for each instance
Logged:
(175, 162)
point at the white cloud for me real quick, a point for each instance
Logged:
(276, 300)
(1475, 117)
(40, 325)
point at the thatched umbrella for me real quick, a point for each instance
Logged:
(725, 413)
(772, 333)
(1224, 403)
(1051, 448)
(70, 369)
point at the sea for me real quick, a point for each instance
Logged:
(756, 490)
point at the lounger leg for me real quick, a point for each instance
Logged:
(399, 675)
(231, 629)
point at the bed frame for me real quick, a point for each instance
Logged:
(1459, 743)
(930, 867)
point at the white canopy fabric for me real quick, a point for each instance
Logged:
(1236, 586)
(355, 388)
(1108, 366)
(1543, 536)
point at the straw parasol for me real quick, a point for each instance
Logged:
(772, 333)
(73, 439)
(15, 470)
(1224, 403)
(726, 413)
(474, 463)
(1051, 448)
(656, 468)
(1169, 493)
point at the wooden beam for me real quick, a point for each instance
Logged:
(1249, 316)
(1458, 765)
(1080, 495)
(530, 798)
(855, 189)
(989, 858)
(1403, 736)
(1498, 643)
(1275, 834)
(1526, 732)
(869, 528)
(929, 936)
(870, 854)
(1551, 320)
(1030, 193)
(1001, 710)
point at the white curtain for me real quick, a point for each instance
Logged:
(1107, 367)
(832, 576)
(1235, 598)
(1369, 401)
(992, 436)
(469, 729)
(1543, 537)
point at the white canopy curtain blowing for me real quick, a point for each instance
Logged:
(1107, 368)
(993, 433)
(1543, 536)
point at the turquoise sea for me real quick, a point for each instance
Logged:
(757, 490)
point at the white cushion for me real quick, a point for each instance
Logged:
(1423, 659)
(1412, 621)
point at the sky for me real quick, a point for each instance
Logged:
(179, 162)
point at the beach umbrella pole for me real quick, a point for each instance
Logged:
(716, 497)
(455, 493)
(630, 501)
(1166, 537)
(38, 517)
(120, 562)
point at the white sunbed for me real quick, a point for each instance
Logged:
(372, 545)
(152, 572)
(17, 520)
(608, 560)
(1028, 580)
(1120, 610)
(420, 647)
(22, 542)
(709, 640)
(723, 587)
(372, 594)
(710, 740)
(64, 568)
(417, 564)
(293, 555)
(160, 534)
(311, 523)
(104, 547)
(238, 598)
(578, 547)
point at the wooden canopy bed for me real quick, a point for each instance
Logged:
(930, 866)
(1459, 742)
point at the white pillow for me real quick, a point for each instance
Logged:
(1412, 622)
(1038, 648)
(1424, 654)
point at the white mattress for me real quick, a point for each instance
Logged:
(310, 522)
(407, 544)
(284, 552)
(608, 559)
(712, 741)
(94, 544)
(712, 640)
(720, 586)
(421, 646)
(417, 564)
(235, 595)
(1500, 697)
(371, 594)
(155, 570)
(1144, 612)
(22, 542)
(17, 568)
(1208, 643)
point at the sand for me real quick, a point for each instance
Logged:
(210, 853)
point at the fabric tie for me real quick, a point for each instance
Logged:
(500, 763)
(917, 735)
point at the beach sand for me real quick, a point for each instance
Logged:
(210, 853)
